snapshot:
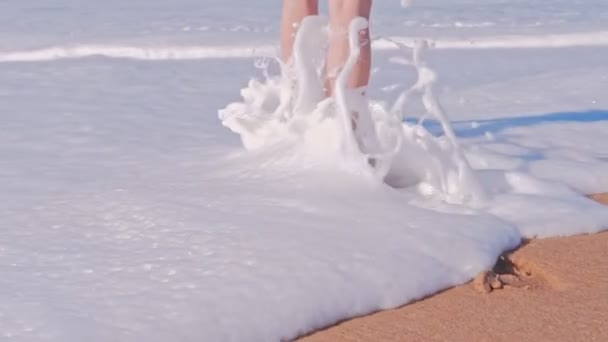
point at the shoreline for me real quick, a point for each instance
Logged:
(553, 291)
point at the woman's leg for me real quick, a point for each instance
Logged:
(293, 13)
(341, 13)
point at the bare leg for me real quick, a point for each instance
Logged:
(341, 13)
(293, 13)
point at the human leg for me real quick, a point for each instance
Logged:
(293, 13)
(341, 13)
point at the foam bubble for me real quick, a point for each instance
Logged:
(288, 109)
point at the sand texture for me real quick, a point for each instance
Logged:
(548, 290)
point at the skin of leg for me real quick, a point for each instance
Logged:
(341, 13)
(293, 13)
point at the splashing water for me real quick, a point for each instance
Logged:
(291, 109)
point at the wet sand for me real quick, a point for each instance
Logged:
(558, 292)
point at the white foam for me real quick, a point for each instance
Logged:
(137, 52)
(194, 52)
(405, 156)
(154, 237)
(597, 38)
(266, 117)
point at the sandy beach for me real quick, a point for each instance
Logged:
(559, 295)
(169, 174)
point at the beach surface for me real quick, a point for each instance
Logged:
(559, 298)
(160, 180)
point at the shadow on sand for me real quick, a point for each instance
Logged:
(476, 128)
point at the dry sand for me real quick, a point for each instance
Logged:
(561, 294)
